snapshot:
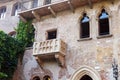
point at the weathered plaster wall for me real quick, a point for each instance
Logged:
(97, 53)
(9, 22)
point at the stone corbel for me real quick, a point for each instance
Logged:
(90, 4)
(71, 7)
(52, 11)
(36, 15)
(38, 61)
(60, 59)
(22, 18)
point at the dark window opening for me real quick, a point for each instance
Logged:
(46, 78)
(85, 29)
(36, 78)
(2, 12)
(52, 34)
(47, 1)
(86, 77)
(35, 3)
(103, 23)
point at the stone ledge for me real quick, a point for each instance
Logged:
(104, 36)
(84, 39)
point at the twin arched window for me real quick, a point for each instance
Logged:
(103, 21)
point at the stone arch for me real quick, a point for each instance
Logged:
(36, 78)
(100, 9)
(85, 70)
(82, 13)
(46, 77)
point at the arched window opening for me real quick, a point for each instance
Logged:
(36, 78)
(85, 28)
(46, 78)
(12, 34)
(86, 77)
(103, 23)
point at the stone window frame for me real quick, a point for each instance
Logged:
(90, 24)
(85, 70)
(3, 14)
(50, 30)
(107, 9)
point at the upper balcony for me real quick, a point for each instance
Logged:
(30, 10)
(50, 49)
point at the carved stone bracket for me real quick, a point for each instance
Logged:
(60, 59)
(39, 61)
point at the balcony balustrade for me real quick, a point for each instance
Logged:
(50, 49)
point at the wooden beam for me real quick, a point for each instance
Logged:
(22, 18)
(71, 7)
(52, 11)
(36, 15)
(90, 4)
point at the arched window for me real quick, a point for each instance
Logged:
(86, 77)
(84, 27)
(2, 12)
(12, 34)
(103, 23)
(35, 3)
(36, 78)
(16, 8)
(46, 78)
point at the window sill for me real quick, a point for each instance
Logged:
(84, 39)
(104, 36)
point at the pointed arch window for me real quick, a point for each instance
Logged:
(104, 23)
(86, 77)
(85, 27)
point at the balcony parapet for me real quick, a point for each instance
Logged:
(49, 49)
(53, 8)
